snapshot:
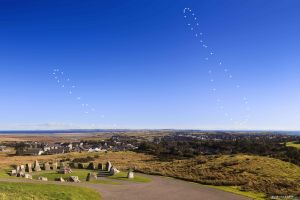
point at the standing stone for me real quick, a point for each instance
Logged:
(113, 171)
(18, 168)
(100, 166)
(91, 166)
(22, 169)
(47, 166)
(74, 179)
(54, 166)
(13, 172)
(29, 167)
(91, 176)
(28, 176)
(37, 167)
(61, 165)
(130, 175)
(20, 174)
(80, 166)
(108, 166)
(75, 165)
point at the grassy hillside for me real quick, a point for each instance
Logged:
(250, 173)
(29, 191)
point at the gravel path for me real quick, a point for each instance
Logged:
(160, 188)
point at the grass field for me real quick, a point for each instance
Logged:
(293, 144)
(31, 191)
(4, 173)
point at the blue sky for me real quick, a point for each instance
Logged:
(138, 64)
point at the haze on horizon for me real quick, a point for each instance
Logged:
(137, 64)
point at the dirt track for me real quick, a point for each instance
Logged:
(160, 188)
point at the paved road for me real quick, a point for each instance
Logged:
(160, 188)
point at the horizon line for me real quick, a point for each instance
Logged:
(143, 129)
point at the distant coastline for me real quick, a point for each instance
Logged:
(91, 131)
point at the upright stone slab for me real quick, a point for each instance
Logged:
(91, 166)
(108, 166)
(113, 171)
(47, 166)
(37, 167)
(75, 165)
(13, 172)
(91, 176)
(22, 169)
(54, 166)
(130, 175)
(20, 174)
(29, 167)
(80, 166)
(100, 166)
(18, 168)
(61, 165)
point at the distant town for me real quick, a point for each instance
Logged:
(208, 142)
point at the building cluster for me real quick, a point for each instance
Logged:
(37, 148)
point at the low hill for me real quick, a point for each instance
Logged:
(250, 173)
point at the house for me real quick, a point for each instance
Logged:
(46, 148)
(94, 149)
(55, 151)
(31, 152)
(68, 146)
(4, 149)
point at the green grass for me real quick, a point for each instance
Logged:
(31, 191)
(4, 173)
(236, 190)
(293, 144)
(123, 176)
(52, 175)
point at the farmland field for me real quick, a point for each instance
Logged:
(293, 144)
